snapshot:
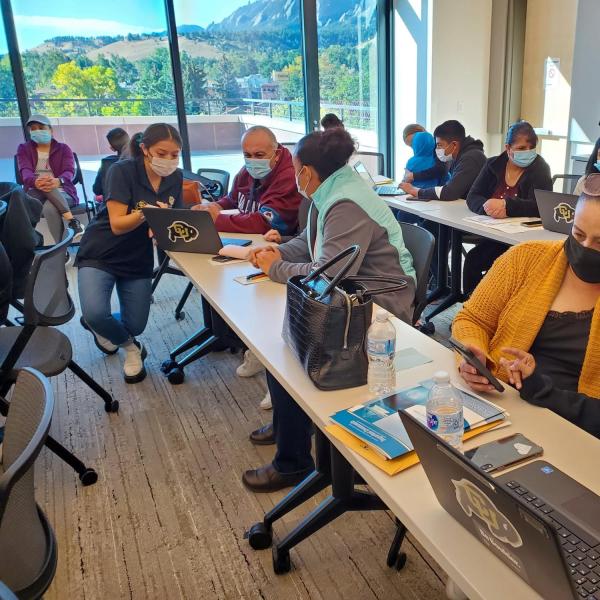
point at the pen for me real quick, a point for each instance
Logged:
(255, 275)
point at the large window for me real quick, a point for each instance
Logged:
(8, 102)
(347, 32)
(95, 59)
(241, 65)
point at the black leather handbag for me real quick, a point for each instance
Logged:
(326, 322)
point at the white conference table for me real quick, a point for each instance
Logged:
(255, 313)
(452, 214)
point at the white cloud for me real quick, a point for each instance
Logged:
(72, 26)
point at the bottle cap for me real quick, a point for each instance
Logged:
(441, 377)
(382, 315)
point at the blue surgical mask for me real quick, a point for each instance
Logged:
(597, 165)
(523, 158)
(41, 136)
(258, 168)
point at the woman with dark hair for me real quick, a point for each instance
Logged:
(535, 319)
(116, 250)
(330, 121)
(593, 166)
(505, 188)
(47, 169)
(118, 140)
(344, 211)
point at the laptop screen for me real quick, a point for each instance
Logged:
(364, 173)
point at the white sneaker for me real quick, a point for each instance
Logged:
(133, 367)
(251, 365)
(265, 403)
(102, 343)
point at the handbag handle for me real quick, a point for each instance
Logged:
(353, 250)
(395, 284)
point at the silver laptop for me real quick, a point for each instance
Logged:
(184, 230)
(557, 210)
(381, 190)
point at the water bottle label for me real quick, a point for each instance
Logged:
(381, 347)
(432, 422)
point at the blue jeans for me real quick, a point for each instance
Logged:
(292, 428)
(95, 290)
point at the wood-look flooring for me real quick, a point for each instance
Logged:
(168, 515)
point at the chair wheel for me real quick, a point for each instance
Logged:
(260, 536)
(180, 316)
(112, 406)
(427, 328)
(176, 376)
(88, 477)
(167, 365)
(281, 561)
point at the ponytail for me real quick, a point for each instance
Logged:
(134, 145)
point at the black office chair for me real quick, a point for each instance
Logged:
(40, 345)
(569, 182)
(216, 175)
(420, 243)
(27, 543)
(87, 207)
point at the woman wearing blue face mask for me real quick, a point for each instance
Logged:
(47, 168)
(505, 188)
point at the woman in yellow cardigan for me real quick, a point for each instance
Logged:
(535, 319)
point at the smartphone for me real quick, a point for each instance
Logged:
(503, 453)
(222, 259)
(475, 362)
(532, 223)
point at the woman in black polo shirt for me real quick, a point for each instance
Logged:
(116, 249)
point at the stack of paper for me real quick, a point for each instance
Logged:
(378, 425)
(509, 225)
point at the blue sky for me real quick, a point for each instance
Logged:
(37, 20)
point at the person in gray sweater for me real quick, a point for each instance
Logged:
(344, 211)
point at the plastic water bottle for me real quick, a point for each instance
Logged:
(445, 410)
(381, 350)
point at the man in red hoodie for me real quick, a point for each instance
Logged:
(264, 191)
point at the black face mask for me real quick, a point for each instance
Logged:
(585, 262)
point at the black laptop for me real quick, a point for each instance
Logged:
(557, 210)
(184, 230)
(542, 523)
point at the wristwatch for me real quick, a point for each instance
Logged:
(61, 181)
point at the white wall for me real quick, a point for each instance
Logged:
(460, 56)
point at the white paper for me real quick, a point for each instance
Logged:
(509, 225)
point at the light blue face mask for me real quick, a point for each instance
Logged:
(523, 158)
(597, 165)
(258, 168)
(41, 136)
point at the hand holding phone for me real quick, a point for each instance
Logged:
(479, 366)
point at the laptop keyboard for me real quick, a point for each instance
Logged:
(582, 555)
(388, 189)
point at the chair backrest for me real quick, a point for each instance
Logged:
(25, 543)
(17, 174)
(373, 161)
(420, 243)
(47, 300)
(216, 175)
(569, 182)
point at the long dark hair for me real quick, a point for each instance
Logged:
(157, 132)
(590, 167)
(325, 151)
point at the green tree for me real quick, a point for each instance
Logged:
(155, 79)
(126, 71)
(39, 67)
(225, 85)
(194, 77)
(293, 87)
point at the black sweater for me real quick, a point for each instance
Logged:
(535, 176)
(463, 172)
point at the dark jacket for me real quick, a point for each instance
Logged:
(106, 163)
(463, 172)
(302, 219)
(60, 159)
(269, 203)
(536, 176)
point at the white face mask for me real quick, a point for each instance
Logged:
(163, 167)
(303, 192)
(442, 156)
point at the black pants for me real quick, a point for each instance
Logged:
(292, 429)
(479, 261)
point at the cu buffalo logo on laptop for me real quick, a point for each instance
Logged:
(180, 230)
(474, 502)
(564, 212)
